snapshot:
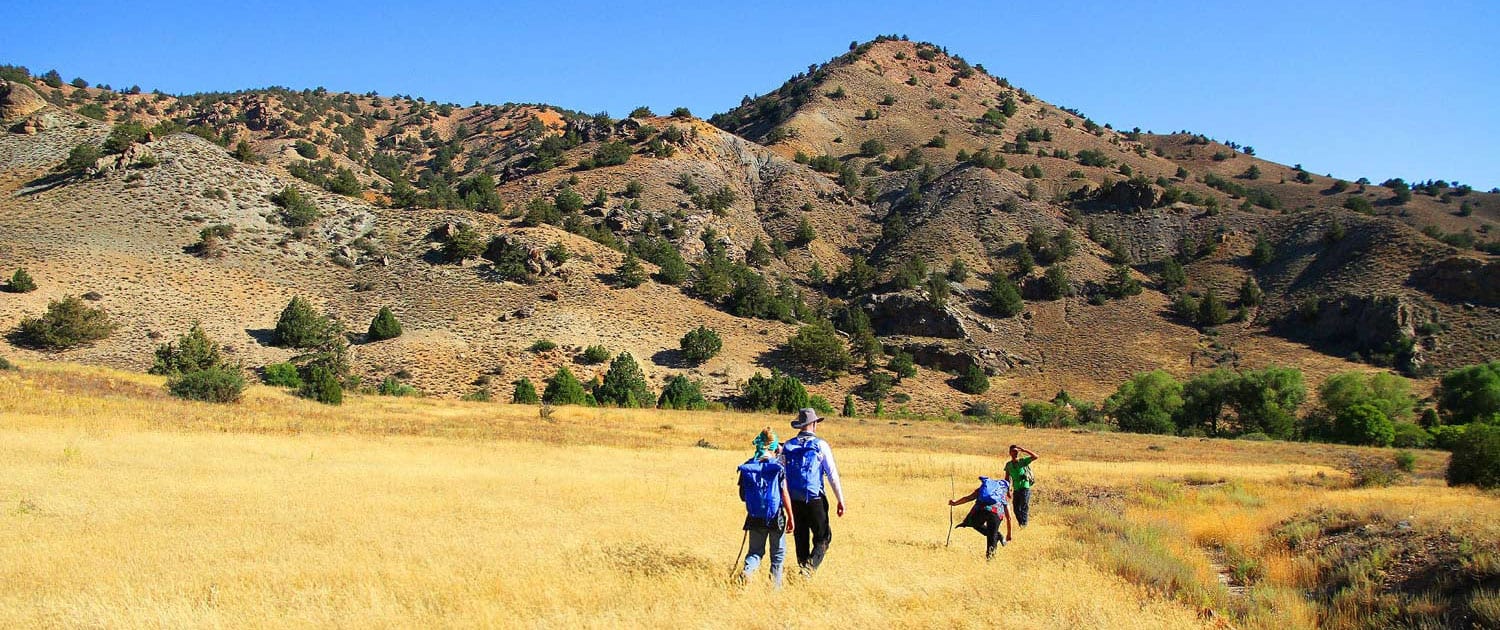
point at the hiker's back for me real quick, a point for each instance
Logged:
(804, 469)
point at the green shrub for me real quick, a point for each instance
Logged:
(67, 323)
(612, 153)
(1408, 435)
(818, 347)
(1406, 461)
(1447, 436)
(631, 273)
(1255, 436)
(524, 393)
(973, 381)
(123, 135)
(1147, 403)
(778, 392)
(393, 386)
(218, 384)
(300, 326)
(849, 410)
(1003, 296)
(624, 385)
(82, 157)
(20, 282)
(6, 365)
(322, 384)
(542, 345)
(1471, 394)
(594, 355)
(384, 326)
(700, 344)
(462, 244)
(1476, 457)
(282, 375)
(681, 393)
(1055, 284)
(1363, 424)
(1041, 415)
(296, 209)
(193, 351)
(564, 389)
(902, 364)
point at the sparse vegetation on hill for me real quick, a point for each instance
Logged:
(20, 282)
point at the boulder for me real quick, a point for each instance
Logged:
(18, 101)
(956, 357)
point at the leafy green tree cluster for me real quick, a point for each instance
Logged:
(1476, 457)
(700, 344)
(283, 374)
(612, 154)
(67, 323)
(1147, 403)
(1262, 401)
(1047, 248)
(973, 380)
(384, 326)
(1470, 394)
(1003, 296)
(778, 392)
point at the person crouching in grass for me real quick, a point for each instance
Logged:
(990, 500)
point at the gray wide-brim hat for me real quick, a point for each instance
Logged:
(806, 417)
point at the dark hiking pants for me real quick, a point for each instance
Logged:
(1023, 505)
(812, 533)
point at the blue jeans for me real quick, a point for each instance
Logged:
(760, 538)
(1022, 505)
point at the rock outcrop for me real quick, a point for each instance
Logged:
(912, 314)
(18, 101)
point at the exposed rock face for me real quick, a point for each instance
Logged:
(111, 163)
(1360, 323)
(1131, 194)
(1461, 280)
(18, 101)
(911, 314)
(956, 356)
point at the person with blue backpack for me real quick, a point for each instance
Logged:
(809, 461)
(768, 508)
(990, 500)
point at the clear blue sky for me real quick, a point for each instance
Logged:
(1371, 88)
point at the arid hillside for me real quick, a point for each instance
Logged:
(889, 190)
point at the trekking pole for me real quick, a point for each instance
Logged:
(735, 567)
(951, 490)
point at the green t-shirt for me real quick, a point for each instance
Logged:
(1016, 472)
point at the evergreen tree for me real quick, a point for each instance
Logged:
(1123, 284)
(758, 255)
(322, 384)
(848, 411)
(21, 282)
(564, 389)
(300, 326)
(1250, 293)
(681, 393)
(624, 385)
(1211, 310)
(1055, 283)
(66, 324)
(973, 381)
(191, 352)
(524, 393)
(1003, 296)
(630, 274)
(805, 232)
(1263, 252)
(700, 344)
(818, 347)
(958, 271)
(384, 326)
(1173, 276)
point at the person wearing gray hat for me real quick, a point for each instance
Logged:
(809, 461)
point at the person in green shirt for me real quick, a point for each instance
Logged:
(1018, 471)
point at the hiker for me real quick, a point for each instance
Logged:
(1018, 471)
(989, 510)
(768, 509)
(809, 460)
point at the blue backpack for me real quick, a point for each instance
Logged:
(760, 489)
(992, 491)
(804, 472)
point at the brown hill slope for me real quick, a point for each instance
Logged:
(901, 148)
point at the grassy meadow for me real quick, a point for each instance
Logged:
(124, 508)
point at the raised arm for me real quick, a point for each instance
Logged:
(1028, 451)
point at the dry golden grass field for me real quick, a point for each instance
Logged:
(124, 508)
